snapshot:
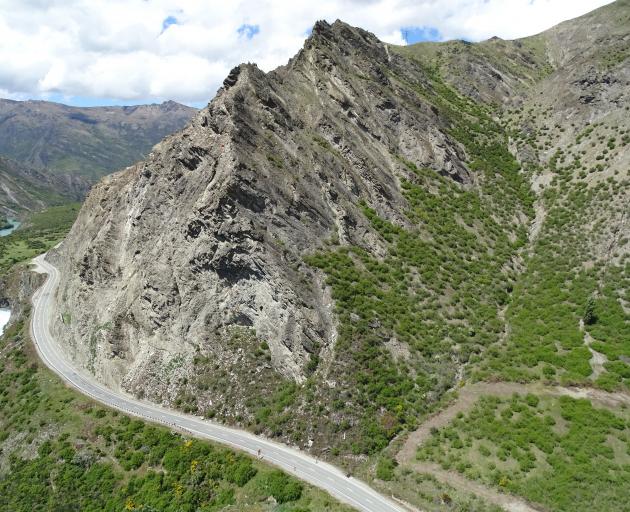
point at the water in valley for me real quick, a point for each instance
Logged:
(14, 225)
(5, 313)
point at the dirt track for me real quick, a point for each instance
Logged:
(468, 395)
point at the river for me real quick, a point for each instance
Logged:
(8, 231)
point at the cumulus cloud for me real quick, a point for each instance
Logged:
(134, 50)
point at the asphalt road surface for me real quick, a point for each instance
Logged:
(320, 474)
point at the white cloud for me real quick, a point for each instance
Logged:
(119, 49)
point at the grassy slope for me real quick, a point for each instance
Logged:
(555, 451)
(581, 253)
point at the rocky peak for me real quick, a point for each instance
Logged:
(170, 106)
(276, 164)
(232, 77)
(342, 33)
(339, 44)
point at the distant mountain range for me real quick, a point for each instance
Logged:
(51, 152)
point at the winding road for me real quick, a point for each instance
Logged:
(320, 474)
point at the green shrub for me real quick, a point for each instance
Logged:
(589, 312)
(282, 487)
(385, 468)
(561, 469)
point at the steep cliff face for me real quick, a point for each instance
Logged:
(326, 248)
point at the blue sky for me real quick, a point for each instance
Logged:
(168, 21)
(112, 52)
(413, 35)
(248, 31)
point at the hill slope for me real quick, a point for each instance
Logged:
(24, 189)
(89, 142)
(328, 248)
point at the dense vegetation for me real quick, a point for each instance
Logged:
(566, 307)
(438, 291)
(576, 264)
(60, 451)
(559, 452)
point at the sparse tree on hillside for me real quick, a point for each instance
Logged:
(589, 312)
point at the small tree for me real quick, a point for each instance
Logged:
(589, 312)
(385, 468)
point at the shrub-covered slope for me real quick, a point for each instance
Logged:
(60, 451)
